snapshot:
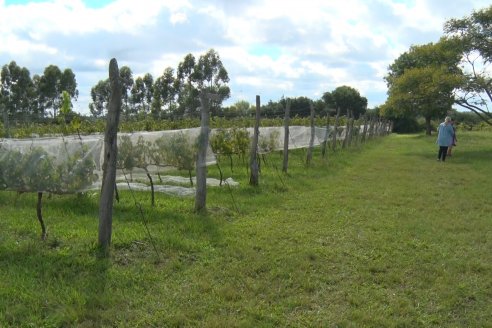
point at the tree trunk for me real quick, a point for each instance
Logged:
(110, 156)
(151, 188)
(285, 164)
(220, 174)
(116, 193)
(40, 215)
(253, 163)
(428, 126)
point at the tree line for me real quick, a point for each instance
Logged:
(428, 80)
(172, 95)
(40, 96)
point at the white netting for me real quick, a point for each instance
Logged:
(74, 163)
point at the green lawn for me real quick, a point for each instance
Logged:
(381, 235)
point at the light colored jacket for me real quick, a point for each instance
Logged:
(445, 135)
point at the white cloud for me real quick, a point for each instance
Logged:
(179, 17)
(17, 47)
(269, 47)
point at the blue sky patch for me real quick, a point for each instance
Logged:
(263, 50)
(88, 3)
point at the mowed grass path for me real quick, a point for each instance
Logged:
(383, 236)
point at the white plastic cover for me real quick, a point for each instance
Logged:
(69, 164)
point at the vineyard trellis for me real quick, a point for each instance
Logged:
(72, 164)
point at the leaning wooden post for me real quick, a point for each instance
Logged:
(364, 131)
(110, 156)
(327, 133)
(309, 156)
(253, 161)
(347, 127)
(201, 161)
(286, 137)
(335, 129)
(371, 127)
(40, 215)
(351, 128)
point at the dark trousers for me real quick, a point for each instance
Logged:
(443, 150)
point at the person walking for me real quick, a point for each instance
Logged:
(444, 138)
(453, 143)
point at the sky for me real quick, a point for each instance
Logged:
(271, 48)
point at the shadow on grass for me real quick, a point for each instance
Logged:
(465, 157)
(46, 287)
(459, 157)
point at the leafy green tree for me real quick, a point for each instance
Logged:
(240, 108)
(17, 90)
(426, 91)
(51, 86)
(127, 81)
(474, 34)
(68, 83)
(187, 92)
(212, 77)
(346, 99)
(66, 108)
(101, 91)
(205, 74)
(421, 82)
(48, 89)
(142, 94)
(100, 98)
(273, 109)
(299, 106)
(164, 93)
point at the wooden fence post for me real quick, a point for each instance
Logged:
(110, 156)
(351, 128)
(253, 162)
(309, 156)
(201, 161)
(286, 137)
(371, 127)
(335, 129)
(347, 127)
(327, 133)
(364, 131)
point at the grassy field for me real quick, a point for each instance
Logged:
(377, 236)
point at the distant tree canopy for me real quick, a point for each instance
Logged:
(173, 94)
(36, 97)
(347, 100)
(429, 79)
